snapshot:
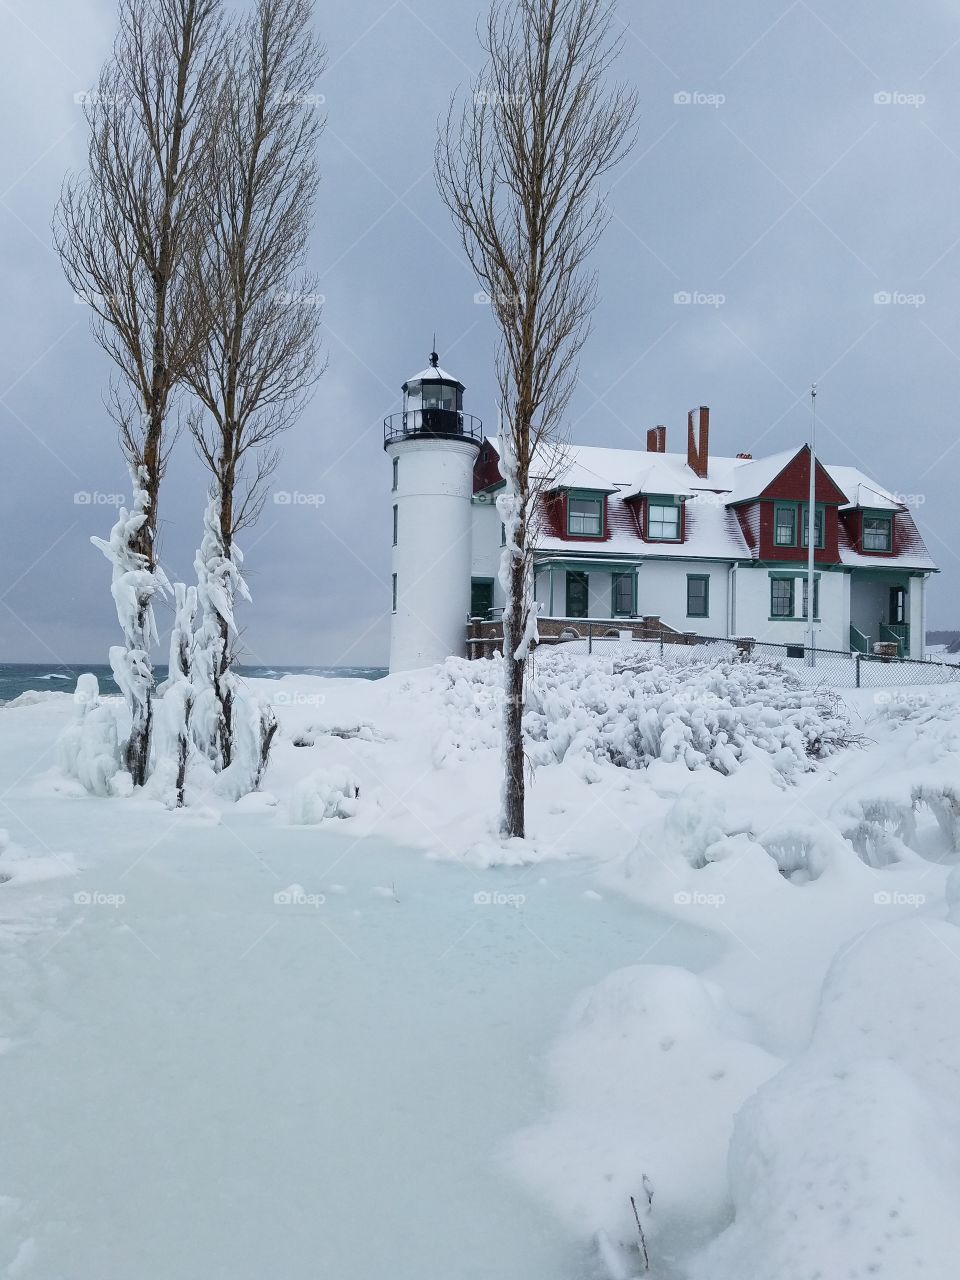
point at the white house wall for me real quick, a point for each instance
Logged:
(485, 562)
(662, 590)
(753, 609)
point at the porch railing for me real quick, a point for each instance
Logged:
(897, 633)
(859, 642)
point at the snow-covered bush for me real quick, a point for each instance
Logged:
(702, 713)
(89, 748)
(328, 793)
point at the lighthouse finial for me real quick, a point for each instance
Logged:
(434, 358)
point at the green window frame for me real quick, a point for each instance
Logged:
(578, 594)
(785, 524)
(880, 535)
(781, 597)
(816, 599)
(585, 513)
(623, 603)
(785, 600)
(898, 605)
(698, 595)
(820, 525)
(393, 584)
(396, 521)
(663, 518)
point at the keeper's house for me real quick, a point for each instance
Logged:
(644, 540)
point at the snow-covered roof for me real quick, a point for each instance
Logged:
(712, 528)
(861, 491)
(753, 476)
(433, 373)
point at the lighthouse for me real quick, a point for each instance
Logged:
(432, 446)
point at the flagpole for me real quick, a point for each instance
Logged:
(812, 533)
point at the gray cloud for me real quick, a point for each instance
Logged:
(798, 197)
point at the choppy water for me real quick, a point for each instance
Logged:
(19, 677)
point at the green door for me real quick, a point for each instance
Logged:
(577, 594)
(481, 597)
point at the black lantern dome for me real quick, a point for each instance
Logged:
(432, 407)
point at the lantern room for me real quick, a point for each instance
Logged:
(432, 407)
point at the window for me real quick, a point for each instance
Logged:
(663, 519)
(804, 521)
(395, 517)
(396, 473)
(898, 605)
(481, 597)
(816, 598)
(622, 594)
(437, 396)
(781, 597)
(503, 535)
(787, 602)
(877, 533)
(584, 516)
(394, 577)
(698, 595)
(785, 525)
(577, 595)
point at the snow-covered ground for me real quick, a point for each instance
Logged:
(338, 1028)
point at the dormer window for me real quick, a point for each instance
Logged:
(877, 533)
(585, 515)
(663, 519)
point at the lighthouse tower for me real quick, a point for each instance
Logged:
(432, 446)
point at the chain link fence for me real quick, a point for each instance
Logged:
(833, 667)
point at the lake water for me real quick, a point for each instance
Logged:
(18, 677)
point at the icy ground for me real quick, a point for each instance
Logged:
(722, 976)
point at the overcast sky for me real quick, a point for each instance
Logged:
(814, 167)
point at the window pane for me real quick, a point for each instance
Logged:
(576, 594)
(697, 597)
(395, 516)
(623, 593)
(785, 527)
(781, 597)
(585, 516)
(396, 471)
(663, 521)
(816, 598)
(819, 528)
(876, 533)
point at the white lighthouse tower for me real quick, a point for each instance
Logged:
(432, 446)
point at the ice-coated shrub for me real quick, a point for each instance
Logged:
(702, 713)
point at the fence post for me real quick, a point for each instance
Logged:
(858, 669)
(589, 637)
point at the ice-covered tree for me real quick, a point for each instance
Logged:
(517, 165)
(122, 229)
(178, 692)
(135, 581)
(256, 358)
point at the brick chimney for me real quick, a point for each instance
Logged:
(698, 441)
(657, 440)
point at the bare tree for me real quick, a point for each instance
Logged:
(517, 166)
(255, 360)
(122, 229)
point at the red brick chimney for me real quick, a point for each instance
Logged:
(657, 440)
(698, 441)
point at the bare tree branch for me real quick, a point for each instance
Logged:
(517, 166)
